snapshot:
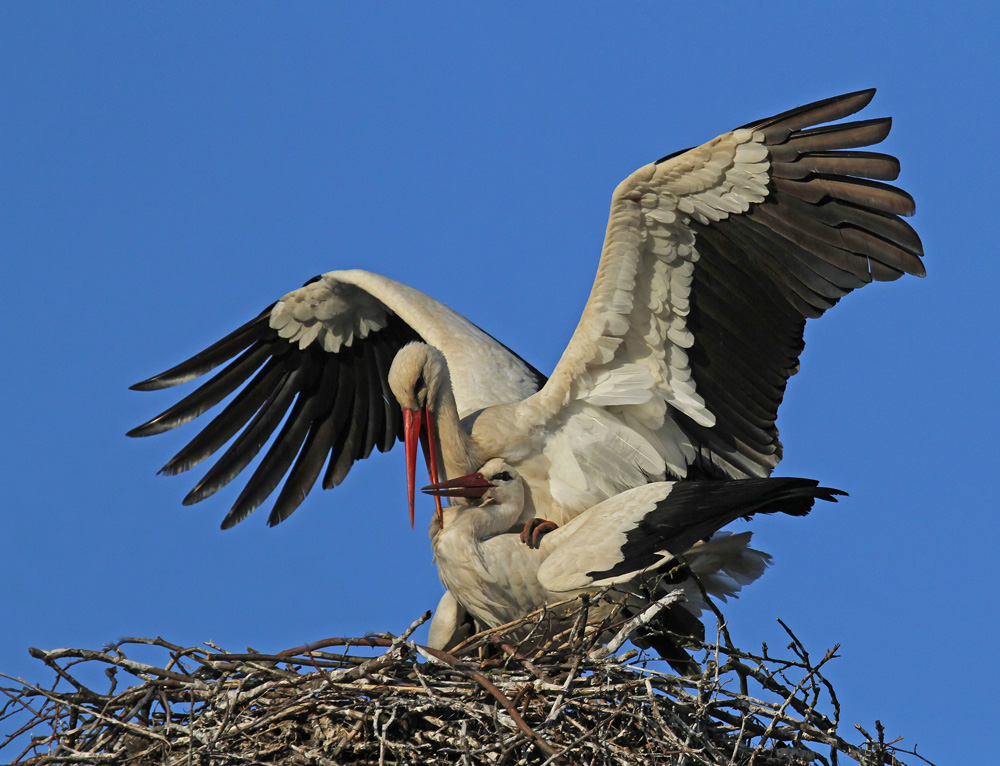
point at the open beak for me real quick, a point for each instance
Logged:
(470, 485)
(418, 429)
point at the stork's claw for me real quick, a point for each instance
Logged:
(535, 529)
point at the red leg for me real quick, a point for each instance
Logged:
(535, 529)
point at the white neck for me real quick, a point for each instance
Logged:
(477, 522)
(457, 451)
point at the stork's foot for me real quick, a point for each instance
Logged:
(535, 529)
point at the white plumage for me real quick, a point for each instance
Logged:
(712, 261)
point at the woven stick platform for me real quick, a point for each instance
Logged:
(384, 699)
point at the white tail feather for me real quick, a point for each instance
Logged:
(723, 565)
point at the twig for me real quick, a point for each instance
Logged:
(642, 619)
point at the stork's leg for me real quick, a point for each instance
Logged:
(535, 529)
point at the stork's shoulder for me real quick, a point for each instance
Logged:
(339, 306)
(331, 311)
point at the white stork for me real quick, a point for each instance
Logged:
(713, 259)
(628, 541)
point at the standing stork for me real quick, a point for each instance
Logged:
(628, 542)
(713, 260)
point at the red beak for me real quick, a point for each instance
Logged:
(470, 485)
(415, 434)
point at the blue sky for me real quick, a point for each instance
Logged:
(167, 170)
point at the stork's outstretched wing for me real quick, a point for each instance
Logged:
(713, 260)
(321, 355)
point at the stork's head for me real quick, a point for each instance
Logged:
(495, 487)
(417, 376)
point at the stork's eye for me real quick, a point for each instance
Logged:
(420, 385)
(502, 476)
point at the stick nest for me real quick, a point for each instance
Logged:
(387, 700)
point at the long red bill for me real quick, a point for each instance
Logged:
(411, 436)
(430, 455)
(418, 429)
(470, 485)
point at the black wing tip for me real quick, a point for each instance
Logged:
(159, 382)
(809, 497)
(180, 373)
(274, 519)
(882, 124)
(157, 425)
(864, 94)
(175, 467)
(236, 514)
(811, 485)
(200, 491)
(286, 505)
(239, 512)
(830, 494)
(867, 93)
(150, 428)
(862, 98)
(854, 101)
(208, 359)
